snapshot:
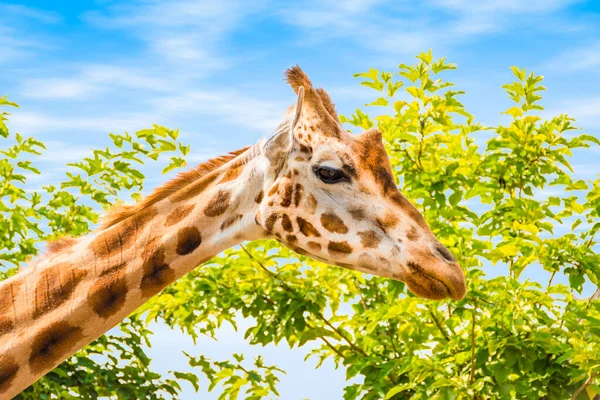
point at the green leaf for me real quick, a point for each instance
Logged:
(519, 73)
(395, 390)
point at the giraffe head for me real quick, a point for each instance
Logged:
(331, 195)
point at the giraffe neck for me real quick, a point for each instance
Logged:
(65, 301)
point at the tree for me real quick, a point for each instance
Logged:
(509, 338)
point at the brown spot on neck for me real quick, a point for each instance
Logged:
(333, 223)
(230, 221)
(8, 371)
(7, 298)
(412, 234)
(121, 237)
(157, 274)
(179, 213)
(108, 293)
(218, 204)
(232, 173)
(52, 344)
(55, 286)
(388, 221)
(188, 240)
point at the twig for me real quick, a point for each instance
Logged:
(318, 314)
(389, 329)
(585, 385)
(421, 128)
(595, 296)
(472, 375)
(550, 281)
(589, 243)
(336, 330)
(332, 347)
(439, 325)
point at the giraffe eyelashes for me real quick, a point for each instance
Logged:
(330, 175)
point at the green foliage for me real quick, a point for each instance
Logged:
(510, 338)
(235, 378)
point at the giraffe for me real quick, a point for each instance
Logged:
(313, 186)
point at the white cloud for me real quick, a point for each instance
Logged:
(186, 49)
(14, 45)
(19, 11)
(16, 41)
(503, 6)
(362, 22)
(399, 28)
(62, 153)
(184, 30)
(231, 106)
(181, 43)
(585, 111)
(578, 59)
(91, 80)
(469, 18)
(31, 123)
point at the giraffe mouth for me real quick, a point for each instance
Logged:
(425, 284)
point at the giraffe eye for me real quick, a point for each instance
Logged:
(330, 175)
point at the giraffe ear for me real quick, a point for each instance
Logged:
(281, 143)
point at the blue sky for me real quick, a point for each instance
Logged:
(82, 69)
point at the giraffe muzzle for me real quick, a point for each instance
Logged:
(436, 275)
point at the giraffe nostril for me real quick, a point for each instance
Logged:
(444, 253)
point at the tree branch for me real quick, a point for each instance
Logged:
(318, 314)
(595, 296)
(585, 385)
(439, 325)
(332, 347)
(472, 375)
(550, 281)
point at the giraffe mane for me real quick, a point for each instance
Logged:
(120, 212)
(59, 244)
